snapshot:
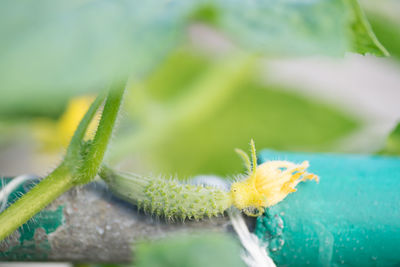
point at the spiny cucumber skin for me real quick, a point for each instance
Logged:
(171, 199)
(168, 198)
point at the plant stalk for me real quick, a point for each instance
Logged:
(55, 184)
(95, 155)
(77, 167)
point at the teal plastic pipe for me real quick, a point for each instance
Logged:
(350, 218)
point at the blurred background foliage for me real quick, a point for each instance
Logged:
(249, 109)
(388, 32)
(392, 146)
(198, 249)
(186, 108)
(195, 250)
(385, 22)
(160, 132)
(51, 50)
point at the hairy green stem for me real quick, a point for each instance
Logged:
(77, 167)
(74, 147)
(55, 184)
(95, 155)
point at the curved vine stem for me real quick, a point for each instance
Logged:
(74, 148)
(79, 166)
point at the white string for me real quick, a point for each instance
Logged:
(255, 255)
(6, 191)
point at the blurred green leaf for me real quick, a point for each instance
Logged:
(286, 27)
(270, 114)
(180, 69)
(392, 146)
(273, 118)
(99, 265)
(54, 49)
(388, 32)
(198, 250)
(362, 38)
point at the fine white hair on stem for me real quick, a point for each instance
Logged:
(255, 255)
(11, 186)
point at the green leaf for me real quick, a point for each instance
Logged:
(275, 117)
(197, 250)
(287, 27)
(362, 38)
(387, 30)
(392, 146)
(64, 177)
(50, 50)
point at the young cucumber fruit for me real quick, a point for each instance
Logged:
(167, 198)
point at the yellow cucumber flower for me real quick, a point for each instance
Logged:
(53, 135)
(266, 184)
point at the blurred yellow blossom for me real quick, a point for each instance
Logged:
(53, 135)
